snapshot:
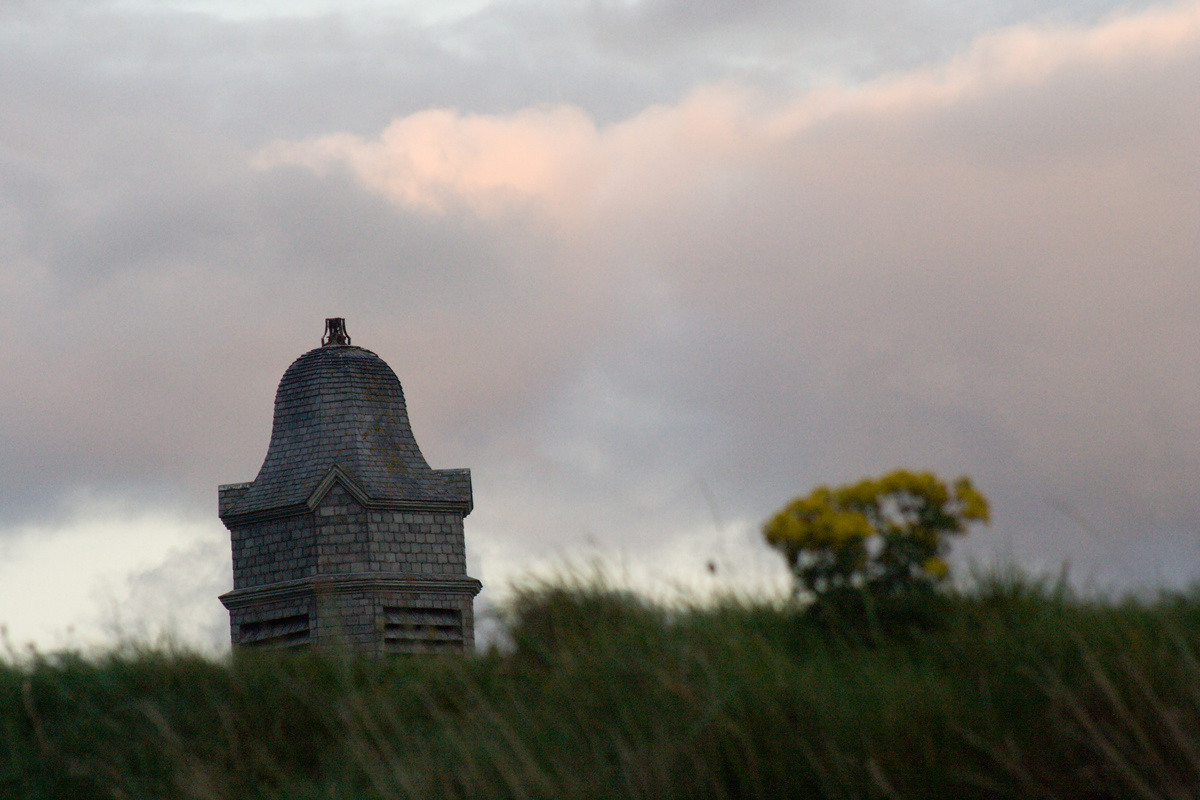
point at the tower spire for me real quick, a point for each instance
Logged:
(347, 537)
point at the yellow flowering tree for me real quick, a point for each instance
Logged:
(887, 535)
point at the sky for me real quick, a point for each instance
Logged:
(649, 268)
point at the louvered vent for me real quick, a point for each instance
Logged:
(290, 631)
(422, 630)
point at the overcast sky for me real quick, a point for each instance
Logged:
(649, 268)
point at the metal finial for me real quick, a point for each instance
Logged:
(335, 332)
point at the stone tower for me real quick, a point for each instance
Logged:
(347, 538)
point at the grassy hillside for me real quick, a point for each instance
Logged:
(1013, 691)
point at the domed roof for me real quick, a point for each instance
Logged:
(342, 406)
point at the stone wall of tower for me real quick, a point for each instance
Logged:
(424, 543)
(351, 539)
(273, 551)
(341, 532)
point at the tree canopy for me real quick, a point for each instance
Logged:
(887, 535)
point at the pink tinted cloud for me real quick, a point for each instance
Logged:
(557, 160)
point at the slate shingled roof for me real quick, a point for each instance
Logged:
(342, 405)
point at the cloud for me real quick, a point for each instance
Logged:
(434, 158)
(624, 289)
(559, 159)
(69, 583)
(982, 265)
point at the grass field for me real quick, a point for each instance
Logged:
(1013, 690)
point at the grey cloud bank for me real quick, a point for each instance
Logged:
(624, 280)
